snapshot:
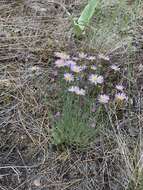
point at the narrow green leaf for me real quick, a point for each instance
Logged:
(85, 17)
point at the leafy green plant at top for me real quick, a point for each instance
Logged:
(86, 15)
(115, 24)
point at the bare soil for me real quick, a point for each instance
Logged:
(30, 32)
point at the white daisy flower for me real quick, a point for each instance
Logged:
(91, 58)
(70, 63)
(80, 92)
(77, 90)
(76, 68)
(104, 99)
(82, 55)
(95, 79)
(115, 67)
(68, 77)
(119, 87)
(73, 89)
(100, 79)
(60, 63)
(121, 97)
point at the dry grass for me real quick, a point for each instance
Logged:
(31, 31)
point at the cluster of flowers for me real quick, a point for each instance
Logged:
(95, 79)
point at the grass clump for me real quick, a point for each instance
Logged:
(73, 128)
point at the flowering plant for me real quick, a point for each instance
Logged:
(88, 82)
(94, 79)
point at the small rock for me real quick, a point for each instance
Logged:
(2, 35)
(37, 182)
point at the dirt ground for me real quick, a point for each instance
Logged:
(30, 32)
